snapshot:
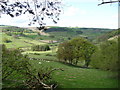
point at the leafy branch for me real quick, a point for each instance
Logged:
(38, 10)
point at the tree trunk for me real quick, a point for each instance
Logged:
(76, 61)
(87, 62)
(70, 61)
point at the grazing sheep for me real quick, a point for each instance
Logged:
(47, 61)
(40, 63)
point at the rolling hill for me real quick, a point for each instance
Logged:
(109, 36)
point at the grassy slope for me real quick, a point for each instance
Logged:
(73, 77)
(62, 32)
(108, 35)
(21, 42)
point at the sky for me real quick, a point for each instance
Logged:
(76, 13)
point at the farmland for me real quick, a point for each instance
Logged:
(72, 76)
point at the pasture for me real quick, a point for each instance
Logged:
(72, 76)
(75, 77)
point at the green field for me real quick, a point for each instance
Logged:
(21, 42)
(72, 76)
(75, 77)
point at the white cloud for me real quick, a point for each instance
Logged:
(115, 16)
(22, 20)
(79, 1)
(73, 11)
(74, 15)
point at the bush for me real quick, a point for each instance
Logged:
(106, 57)
(9, 33)
(40, 48)
(76, 49)
(36, 53)
(6, 40)
(48, 54)
(51, 36)
(19, 72)
(16, 36)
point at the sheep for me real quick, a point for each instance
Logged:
(39, 62)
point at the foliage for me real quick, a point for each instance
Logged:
(65, 52)
(82, 49)
(36, 9)
(6, 40)
(108, 35)
(106, 57)
(75, 50)
(13, 29)
(76, 77)
(9, 33)
(63, 35)
(14, 63)
(12, 60)
(40, 48)
(66, 32)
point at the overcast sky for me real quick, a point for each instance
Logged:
(77, 13)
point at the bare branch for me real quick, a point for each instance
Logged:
(103, 2)
(37, 10)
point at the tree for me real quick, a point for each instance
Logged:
(75, 50)
(40, 48)
(6, 40)
(15, 64)
(106, 57)
(65, 52)
(38, 10)
(106, 2)
(83, 49)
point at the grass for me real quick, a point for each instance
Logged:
(21, 42)
(45, 56)
(73, 77)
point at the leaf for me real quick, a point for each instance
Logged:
(17, 14)
(54, 21)
(4, 3)
(3, 6)
(38, 6)
(42, 18)
(43, 9)
(51, 3)
(31, 12)
(20, 11)
(11, 14)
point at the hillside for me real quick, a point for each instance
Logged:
(109, 36)
(57, 33)
(72, 76)
(89, 33)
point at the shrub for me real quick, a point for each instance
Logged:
(40, 48)
(106, 57)
(9, 33)
(17, 69)
(36, 53)
(16, 36)
(75, 50)
(6, 40)
(51, 36)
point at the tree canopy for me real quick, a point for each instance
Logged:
(38, 10)
(106, 56)
(75, 50)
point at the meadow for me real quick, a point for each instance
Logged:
(72, 76)
(76, 77)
